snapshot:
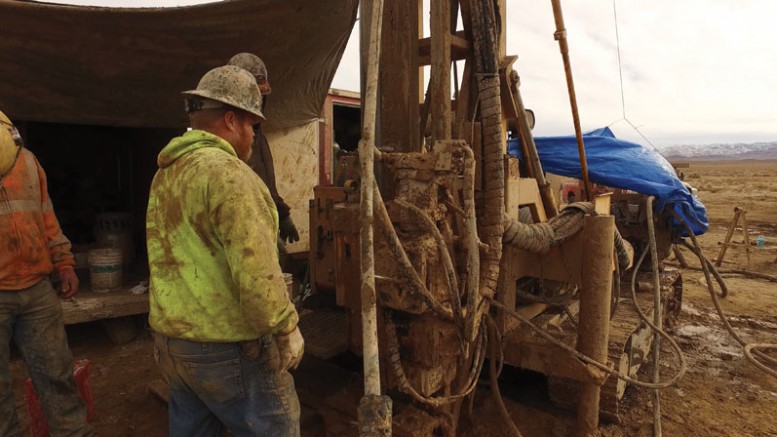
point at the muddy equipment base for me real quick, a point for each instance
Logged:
(630, 341)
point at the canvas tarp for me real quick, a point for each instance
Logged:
(127, 66)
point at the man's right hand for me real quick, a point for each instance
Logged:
(69, 282)
(291, 346)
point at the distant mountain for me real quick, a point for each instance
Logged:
(721, 152)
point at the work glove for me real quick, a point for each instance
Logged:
(291, 346)
(288, 231)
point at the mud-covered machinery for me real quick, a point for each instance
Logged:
(459, 274)
(424, 331)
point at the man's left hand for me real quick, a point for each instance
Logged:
(288, 231)
(69, 282)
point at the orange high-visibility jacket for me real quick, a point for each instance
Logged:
(31, 241)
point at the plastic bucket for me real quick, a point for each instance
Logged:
(114, 229)
(288, 278)
(113, 222)
(105, 271)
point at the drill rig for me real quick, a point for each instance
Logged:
(451, 274)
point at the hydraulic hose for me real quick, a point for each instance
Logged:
(747, 348)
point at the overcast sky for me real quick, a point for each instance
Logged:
(694, 71)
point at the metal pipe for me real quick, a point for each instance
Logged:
(374, 409)
(594, 318)
(561, 36)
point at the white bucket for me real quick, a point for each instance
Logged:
(288, 278)
(114, 229)
(105, 271)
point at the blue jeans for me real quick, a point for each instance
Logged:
(33, 319)
(232, 385)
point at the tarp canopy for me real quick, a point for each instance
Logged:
(127, 66)
(622, 164)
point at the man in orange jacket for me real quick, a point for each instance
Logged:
(32, 246)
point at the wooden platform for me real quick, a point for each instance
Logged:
(88, 306)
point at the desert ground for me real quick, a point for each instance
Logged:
(722, 394)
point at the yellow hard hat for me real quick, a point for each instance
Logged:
(10, 144)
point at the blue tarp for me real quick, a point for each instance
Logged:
(621, 164)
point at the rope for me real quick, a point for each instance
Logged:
(620, 66)
(620, 75)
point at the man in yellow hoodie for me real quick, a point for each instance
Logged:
(32, 246)
(225, 331)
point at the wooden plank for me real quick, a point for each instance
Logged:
(746, 237)
(750, 245)
(88, 306)
(464, 103)
(602, 203)
(502, 37)
(527, 351)
(728, 237)
(440, 86)
(561, 263)
(459, 48)
(325, 144)
(399, 77)
(529, 195)
(512, 190)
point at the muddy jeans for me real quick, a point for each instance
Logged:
(217, 385)
(33, 319)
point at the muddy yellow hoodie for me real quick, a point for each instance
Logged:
(211, 230)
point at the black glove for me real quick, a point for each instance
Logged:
(288, 231)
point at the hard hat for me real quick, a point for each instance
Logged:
(10, 144)
(254, 65)
(250, 62)
(229, 85)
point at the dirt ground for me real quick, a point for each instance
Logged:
(721, 393)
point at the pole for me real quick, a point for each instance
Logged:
(594, 324)
(374, 409)
(530, 148)
(657, 312)
(561, 36)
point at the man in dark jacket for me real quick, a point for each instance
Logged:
(261, 158)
